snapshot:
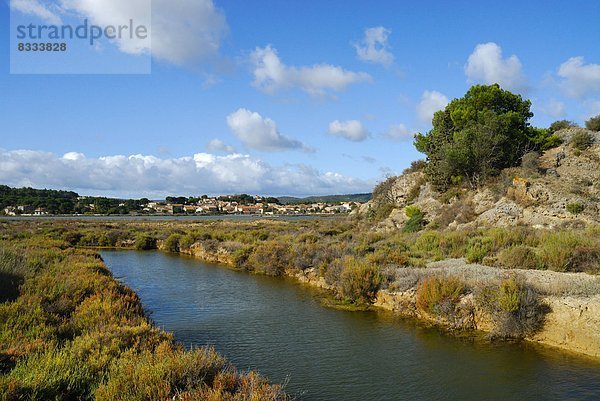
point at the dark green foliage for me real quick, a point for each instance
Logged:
(145, 243)
(561, 124)
(593, 124)
(416, 220)
(575, 208)
(65, 202)
(476, 136)
(581, 140)
(171, 244)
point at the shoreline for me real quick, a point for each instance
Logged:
(572, 325)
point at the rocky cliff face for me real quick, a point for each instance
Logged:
(537, 197)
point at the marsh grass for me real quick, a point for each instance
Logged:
(70, 331)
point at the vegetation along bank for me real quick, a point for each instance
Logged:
(513, 283)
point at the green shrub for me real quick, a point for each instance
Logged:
(575, 208)
(359, 281)
(438, 295)
(171, 244)
(271, 258)
(145, 242)
(515, 309)
(519, 257)
(416, 219)
(581, 140)
(478, 248)
(186, 241)
(561, 124)
(593, 124)
(380, 212)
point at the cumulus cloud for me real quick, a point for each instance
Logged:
(431, 101)
(374, 47)
(137, 175)
(399, 132)
(352, 130)
(217, 145)
(486, 65)
(46, 12)
(272, 75)
(579, 79)
(181, 32)
(260, 133)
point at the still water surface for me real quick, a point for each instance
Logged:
(280, 329)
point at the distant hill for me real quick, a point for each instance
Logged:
(286, 200)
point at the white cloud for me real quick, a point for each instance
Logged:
(374, 47)
(181, 32)
(553, 108)
(272, 75)
(36, 8)
(486, 65)
(580, 79)
(352, 130)
(142, 175)
(217, 145)
(260, 133)
(399, 132)
(592, 108)
(431, 101)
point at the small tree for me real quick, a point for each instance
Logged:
(593, 124)
(478, 135)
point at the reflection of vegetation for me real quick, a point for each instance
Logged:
(72, 332)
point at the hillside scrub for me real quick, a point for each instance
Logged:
(71, 331)
(593, 124)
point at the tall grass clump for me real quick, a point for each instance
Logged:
(557, 249)
(359, 281)
(438, 295)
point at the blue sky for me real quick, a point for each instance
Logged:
(280, 97)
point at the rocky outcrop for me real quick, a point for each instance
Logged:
(220, 255)
(540, 199)
(573, 324)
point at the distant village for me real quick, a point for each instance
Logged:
(230, 204)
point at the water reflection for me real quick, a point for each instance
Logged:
(280, 329)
